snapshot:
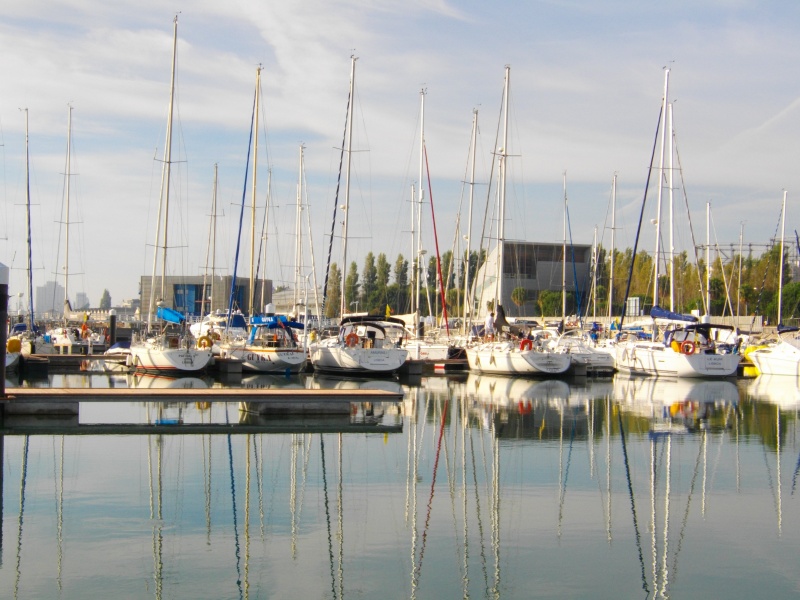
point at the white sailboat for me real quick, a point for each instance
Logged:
(366, 344)
(509, 356)
(782, 358)
(688, 348)
(172, 349)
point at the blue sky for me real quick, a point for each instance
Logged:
(586, 88)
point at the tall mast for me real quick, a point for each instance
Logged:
(467, 303)
(594, 275)
(66, 209)
(564, 259)
(739, 284)
(780, 270)
(298, 239)
(342, 300)
(671, 253)
(414, 257)
(251, 299)
(660, 187)
(211, 248)
(163, 206)
(265, 230)
(708, 258)
(613, 231)
(28, 214)
(421, 197)
(501, 225)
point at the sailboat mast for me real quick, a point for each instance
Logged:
(671, 253)
(164, 193)
(780, 270)
(739, 283)
(66, 210)
(168, 157)
(467, 303)
(613, 231)
(253, 196)
(501, 225)
(420, 200)
(28, 215)
(414, 255)
(660, 188)
(212, 232)
(342, 301)
(298, 236)
(264, 230)
(708, 258)
(564, 259)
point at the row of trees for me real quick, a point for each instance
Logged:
(743, 285)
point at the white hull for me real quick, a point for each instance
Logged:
(156, 359)
(358, 361)
(420, 350)
(781, 359)
(257, 359)
(505, 358)
(655, 359)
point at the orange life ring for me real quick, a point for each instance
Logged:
(351, 340)
(204, 342)
(85, 334)
(525, 344)
(688, 347)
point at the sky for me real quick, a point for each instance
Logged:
(586, 88)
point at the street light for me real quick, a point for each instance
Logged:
(354, 303)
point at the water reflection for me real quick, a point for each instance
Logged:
(493, 488)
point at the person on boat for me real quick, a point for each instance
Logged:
(488, 327)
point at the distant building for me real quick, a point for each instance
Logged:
(49, 300)
(534, 267)
(187, 295)
(81, 301)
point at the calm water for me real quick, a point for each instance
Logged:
(492, 488)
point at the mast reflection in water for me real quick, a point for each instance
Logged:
(472, 486)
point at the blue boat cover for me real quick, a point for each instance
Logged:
(661, 313)
(272, 322)
(169, 315)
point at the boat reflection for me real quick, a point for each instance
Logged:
(677, 405)
(146, 381)
(776, 389)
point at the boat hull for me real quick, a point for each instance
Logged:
(655, 359)
(153, 359)
(358, 361)
(781, 359)
(506, 359)
(256, 359)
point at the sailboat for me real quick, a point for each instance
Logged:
(782, 358)
(511, 356)
(366, 344)
(689, 348)
(172, 349)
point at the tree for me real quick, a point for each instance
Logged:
(549, 303)
(351, 288)
(518, 296)
(369, 283)
(383, 271)
(334, 292)
(105, 300)
(401, 271)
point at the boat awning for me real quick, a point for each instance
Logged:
(661, 313)
(169, 315)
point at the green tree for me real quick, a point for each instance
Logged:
(401, 271)
(369, 282)
(333, 295)
(105, 300)
(384, 271)
(351, 288)
(549, 303)
(518, 296)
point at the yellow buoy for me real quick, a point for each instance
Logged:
(13, 345)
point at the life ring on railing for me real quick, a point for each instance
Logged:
(13, 345)
(351, 340)
(525, 344)
(204, 342)
(85, 334)
(688, 347)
